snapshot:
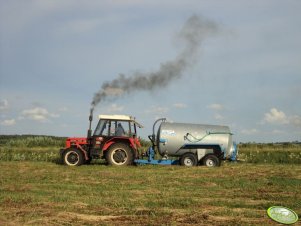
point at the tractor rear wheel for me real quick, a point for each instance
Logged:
(188, 159)
(119, 154)
(73, 157)
(211, 161)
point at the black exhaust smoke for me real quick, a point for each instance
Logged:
(195, 30)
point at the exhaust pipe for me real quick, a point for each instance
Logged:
(90, 124)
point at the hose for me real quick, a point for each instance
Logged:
(195, 139)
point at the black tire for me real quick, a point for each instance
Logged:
(211, 161)
(119, 154)
(73, 157)
(189, 159)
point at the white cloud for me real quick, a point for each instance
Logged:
(180, 105)
(8, 122)
(3, 105)
(115, 108)
(38, 114)
(216, 107)
(157, 110)
(276, 117)
(218, 116)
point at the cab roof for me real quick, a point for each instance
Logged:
(120, 118)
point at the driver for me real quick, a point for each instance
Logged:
(119, 130)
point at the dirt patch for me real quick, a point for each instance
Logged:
(6, 223)
(80, 205)
(87, 217)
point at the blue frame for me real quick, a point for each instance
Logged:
(151, 155)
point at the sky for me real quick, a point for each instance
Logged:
(56, 54)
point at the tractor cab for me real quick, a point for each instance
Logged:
(116, 125)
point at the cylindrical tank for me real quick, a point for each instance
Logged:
(174, 139)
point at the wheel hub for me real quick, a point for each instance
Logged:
(210, 162)
(119, 156)
(72, 158)
(188, 162)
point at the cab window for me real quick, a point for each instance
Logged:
(114, 128)
(121, 128)
(100, 127)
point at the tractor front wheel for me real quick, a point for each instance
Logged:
(73, 157)
(119, 154)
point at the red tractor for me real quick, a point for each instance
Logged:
(114, 139)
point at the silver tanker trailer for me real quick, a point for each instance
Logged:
(190, 144)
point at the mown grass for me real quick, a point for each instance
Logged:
(35, 193)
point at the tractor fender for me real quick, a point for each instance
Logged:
(126, 141)
(129, 141)
(107, 145)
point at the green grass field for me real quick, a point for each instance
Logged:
(35, 190)
(36, 193)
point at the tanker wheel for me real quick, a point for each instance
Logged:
(211, 161)
(188, 159)
(119, 155)
(73, 157)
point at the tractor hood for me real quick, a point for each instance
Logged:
(71, 141)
